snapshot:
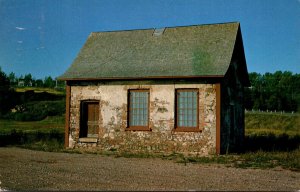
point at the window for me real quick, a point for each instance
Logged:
(187, 110)
(138, 110)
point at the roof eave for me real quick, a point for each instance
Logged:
(142, 78)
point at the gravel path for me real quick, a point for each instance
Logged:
(22, 169)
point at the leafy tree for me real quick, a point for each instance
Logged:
(12, 78)
(39, 83)
(49, 82)
(273, 91)
(28, 80)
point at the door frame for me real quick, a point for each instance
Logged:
(83, 128)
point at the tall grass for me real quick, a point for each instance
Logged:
(271, 142)
(259, 159)
(272, 132)
(50, 122)
(46, 135)
(265, 123)
(52, 140)
(41, 89)
(262, 159)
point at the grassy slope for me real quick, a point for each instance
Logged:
(50, 122)
(264, 123)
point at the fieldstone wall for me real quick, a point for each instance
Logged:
(162, 137)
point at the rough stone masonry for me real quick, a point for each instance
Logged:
(113, 104)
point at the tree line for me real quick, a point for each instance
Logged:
(278, 91)
(28, 81)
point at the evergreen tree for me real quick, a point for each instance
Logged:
(6, 101)
(49, 82)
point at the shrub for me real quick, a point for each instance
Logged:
(35, 111)
(52, 140)
(272, 142)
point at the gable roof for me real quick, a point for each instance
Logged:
(189, 51)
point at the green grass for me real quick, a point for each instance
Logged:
(51, 122)
(255, 160)
(262, 159)
(45, 135)
(258, 159)
(49, 145)
(52, 140)
(41, 89)
(272, 131)
(276, 123)
(264, 131)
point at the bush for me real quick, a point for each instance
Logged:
(52, 140)
(272, 142)
(36, 111)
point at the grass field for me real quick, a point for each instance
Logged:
(46, 135)
(46, 125)
(40, 89)
(272, 131)
(275, 123)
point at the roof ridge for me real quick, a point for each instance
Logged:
(167, 27)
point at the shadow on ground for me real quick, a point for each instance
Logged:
(271, 142)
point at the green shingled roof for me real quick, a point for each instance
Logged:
(190, 51)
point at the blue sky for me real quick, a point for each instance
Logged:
(43, 37)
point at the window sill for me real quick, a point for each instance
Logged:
(138, 129)
(187, 129)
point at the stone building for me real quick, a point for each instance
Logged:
(175, 89)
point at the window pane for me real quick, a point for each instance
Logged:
(138, 111)
(187, 107)
(190, 116)
(190, 104)
(194, 123)
(189, 124)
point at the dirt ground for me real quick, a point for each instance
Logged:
(22, 169)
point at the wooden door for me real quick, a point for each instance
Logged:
(90, 119)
